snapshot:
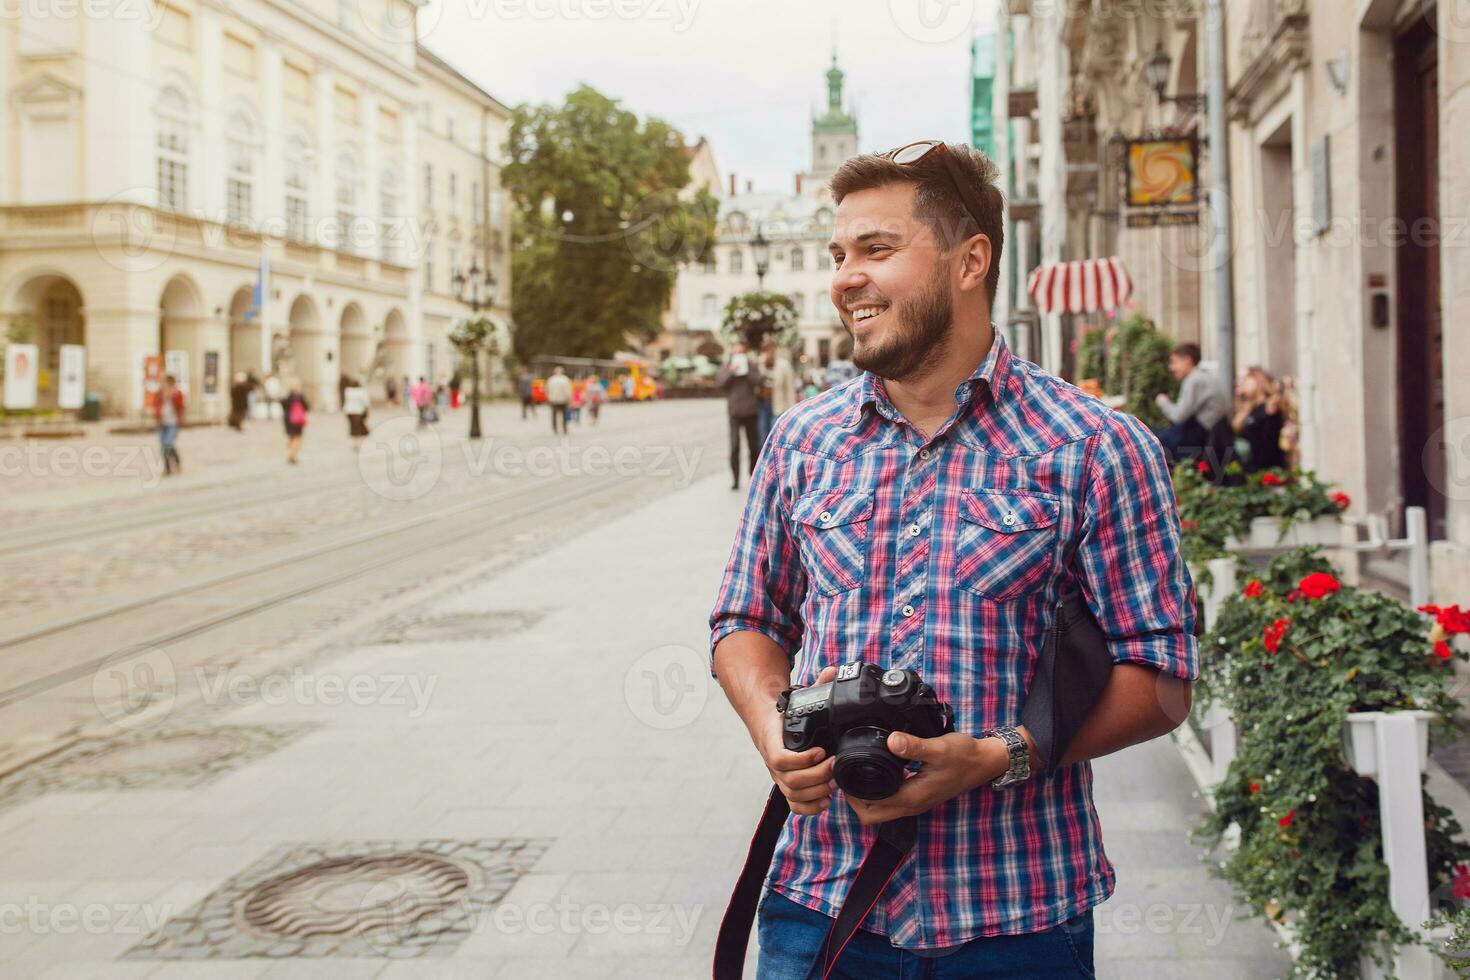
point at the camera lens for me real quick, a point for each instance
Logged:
(864, 767)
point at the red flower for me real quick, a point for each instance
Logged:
(1274, 633)
(1254, 589)
(1287, 820)
(1319, 584)
(1203, 467)
(1342, 500)
(1460, 887)
(1188, 524)
(1272, 480)
(1442, 650)
(1452, 619)
(1294, 595)
(1255, 788)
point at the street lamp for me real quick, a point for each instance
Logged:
(762, 250)
(1156, 70)
(472, 338)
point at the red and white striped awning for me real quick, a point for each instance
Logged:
(1080, 287)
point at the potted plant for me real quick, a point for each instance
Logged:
(1292, 507)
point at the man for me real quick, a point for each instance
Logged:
(781, 380)
(841, 370)
(741, 381)
(422, 397)
(168, 411)
(1203, 403)
(526, 386)
(559, 397)
(929, 516)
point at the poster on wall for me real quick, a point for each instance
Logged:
(176, 362)
(211, 372)
(71, 376)
(150, 373)
(1161, 173)
(20, 376)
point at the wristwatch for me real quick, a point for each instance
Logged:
(1018, 752)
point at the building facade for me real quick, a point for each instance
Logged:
(1347, 196)
(153, 164)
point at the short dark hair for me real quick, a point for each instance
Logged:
(937, 203)
(1190, 351)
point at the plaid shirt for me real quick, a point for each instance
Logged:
(863, 541)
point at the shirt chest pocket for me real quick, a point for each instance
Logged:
(834, 528)
(1006, 542)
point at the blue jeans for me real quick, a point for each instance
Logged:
(166, 436)
(791, 936)
(765, 417)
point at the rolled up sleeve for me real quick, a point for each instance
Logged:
(1133, 574)
(764, 584)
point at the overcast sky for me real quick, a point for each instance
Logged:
(747, 74)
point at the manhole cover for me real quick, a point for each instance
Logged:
(353, 896)
(454, 627)
(148, 759)
(379, 899)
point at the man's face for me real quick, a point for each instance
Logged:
(891, 283)
(1180, 366)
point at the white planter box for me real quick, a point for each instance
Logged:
(1360, 749)
(1266, 532)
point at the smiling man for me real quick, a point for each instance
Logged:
(928, 515)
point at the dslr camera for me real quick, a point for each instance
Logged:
(851, 717)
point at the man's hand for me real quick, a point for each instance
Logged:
(953, 764)
(1161, 399)
(805, 778)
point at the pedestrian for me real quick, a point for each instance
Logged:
(422, 397)
(841, 370)
(239, 401)
(575, 410)
(1203, 403)
(592, 397)
(741, 380)
(559, 397)
(294, 409)
(931, 515)
(272, 388)
(780, 384)
(343, 382)
(168, 411)
(390, 390)
(527, 388)
(813, 386)
(441, 399)
(1258, 420)
(355, 407)
(454, 387)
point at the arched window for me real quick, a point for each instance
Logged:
(240, 169)
(298, 186)
(798, 258)
(173, 149)
(389, 193)
(347, 181)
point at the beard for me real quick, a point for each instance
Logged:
(919, 337)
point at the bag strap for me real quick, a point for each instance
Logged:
(895, 840)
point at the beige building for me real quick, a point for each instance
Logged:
(1349, 195)
(150, 164)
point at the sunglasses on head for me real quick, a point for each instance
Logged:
(912, 153)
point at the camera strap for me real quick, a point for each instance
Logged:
(894, 842)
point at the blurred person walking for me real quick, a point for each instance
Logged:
(1258, 420)
(355, 407)
(592, 397)
(169, 413)
(559, 397)
(527, 388)
(781, 382)
(422, 397)
(239, 401)
(741, 380)
(294, 409)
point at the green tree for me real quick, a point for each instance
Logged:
(600, 225)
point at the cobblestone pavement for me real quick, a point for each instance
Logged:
(515, 769)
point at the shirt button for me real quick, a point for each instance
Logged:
(824, 516)
(914, 530)
(924, 454)
(907, 610)
(1010, 519)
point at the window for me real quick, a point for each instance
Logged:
(429, 186)
(798, 258)
(429, 263)
(173, 149)
(495, 211)
(821, 301)
(388, 194)
(240, 170)
(298, 185)
(799, 302)
(709, 264)
(709, 306)
(453, 264)
(476, 210)
(737, 261)
(824, 259)
(347, 181)
(449, 132)
(453, 194)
